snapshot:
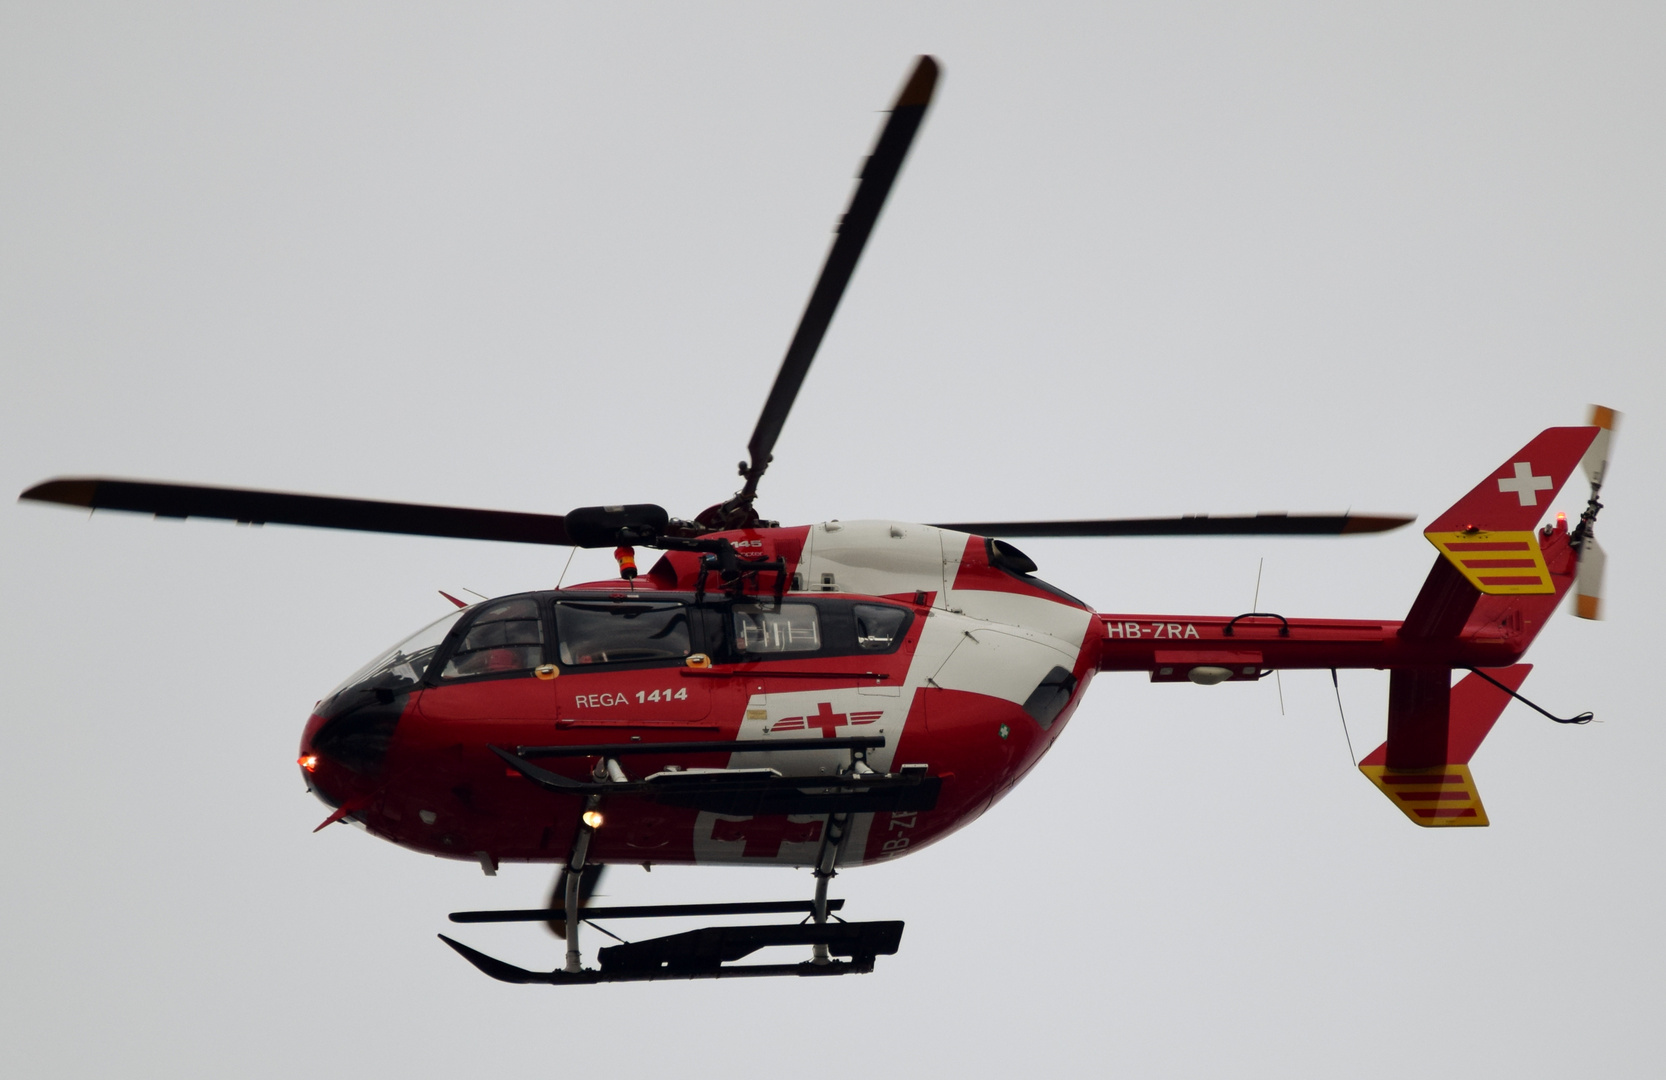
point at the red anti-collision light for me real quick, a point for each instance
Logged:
(309, 762)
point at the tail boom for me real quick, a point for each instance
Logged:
(1452, 625)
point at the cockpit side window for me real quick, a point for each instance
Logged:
(618, 633)
(878, 627)
(505, 636)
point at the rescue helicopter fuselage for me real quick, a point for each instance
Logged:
(940, 645)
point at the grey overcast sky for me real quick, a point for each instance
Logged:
(1144, 259)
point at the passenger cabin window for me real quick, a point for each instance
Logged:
(877, 628)
(776, 629)
(505, 636)
(621, 633)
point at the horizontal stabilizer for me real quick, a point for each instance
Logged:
(1423, 768)
(1497, 563)
(1443, 795)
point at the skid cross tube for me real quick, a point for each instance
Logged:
(645, 911)
(729, 746)
(754, 792)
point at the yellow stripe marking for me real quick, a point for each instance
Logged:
(1464, 560)
(1429, 790)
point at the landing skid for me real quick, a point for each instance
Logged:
(837, 947)
(709, 953)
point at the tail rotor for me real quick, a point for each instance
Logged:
(1588, 584)
(1587, 597)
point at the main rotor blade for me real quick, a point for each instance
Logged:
(1192, 525)
(284, 508)
(878, 174)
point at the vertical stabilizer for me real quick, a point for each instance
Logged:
(1433, 731)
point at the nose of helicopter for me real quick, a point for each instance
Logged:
(316, 768)
(335, 758)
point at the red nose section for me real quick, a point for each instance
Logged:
(309, 733)
(312, 763)
(333, 780)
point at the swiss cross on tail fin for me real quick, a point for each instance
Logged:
(1517, 493)
(1488, 534)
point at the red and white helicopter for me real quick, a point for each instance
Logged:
(845, 693)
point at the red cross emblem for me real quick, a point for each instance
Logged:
(764, 839)
(826, 719)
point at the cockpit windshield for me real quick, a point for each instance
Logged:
(404, 665)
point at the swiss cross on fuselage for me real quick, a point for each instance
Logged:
(763, 841)
(826, 719)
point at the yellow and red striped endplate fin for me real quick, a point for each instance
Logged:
(1497, 563)
(1436, 797)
